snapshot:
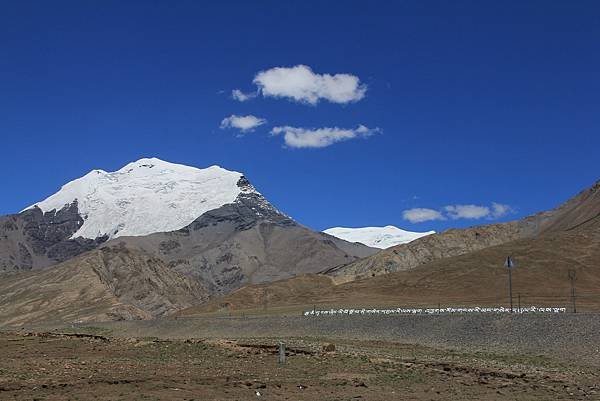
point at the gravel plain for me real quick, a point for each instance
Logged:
(565, 336)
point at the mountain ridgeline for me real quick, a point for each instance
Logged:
(579, 212)
(238, 238)
(458, 267)
(154, 238)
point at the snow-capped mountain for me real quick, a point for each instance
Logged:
(209, 225)
(376, 237)
(147, 196)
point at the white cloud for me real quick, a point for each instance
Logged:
(455, 212)
(320, 137)
(419, 215)
(301, 84)
(496, 211)
(467, 211)
(241, 96)
(243, 123)
(499, 210)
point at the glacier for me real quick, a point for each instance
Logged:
(146, 196)
(376, 237)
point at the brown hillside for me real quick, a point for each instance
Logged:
(478, 278)
(578, 212)
(111, 283)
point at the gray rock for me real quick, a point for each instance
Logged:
(33, 239)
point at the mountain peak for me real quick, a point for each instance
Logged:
(376, 237)
(155, 165)
(145, 196)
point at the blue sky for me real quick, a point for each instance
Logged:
(466, 103)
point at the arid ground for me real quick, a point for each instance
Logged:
(109, 362)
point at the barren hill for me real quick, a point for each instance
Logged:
(476, 278)
(238, 239)
(578, 212)
(112, 283)
(250, 243)
(246, 242)
(460, 267)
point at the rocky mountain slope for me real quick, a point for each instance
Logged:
(112, 283)
(34, 239)
(376, 237)
(238, 238)
(583, 210)
(142, 198)
(541, 278)
(578, 211)
(246, 242)
(244, 248)
(458, 267)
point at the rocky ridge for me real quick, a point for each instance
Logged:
(576, 213)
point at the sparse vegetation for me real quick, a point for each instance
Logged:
(52, 367)
(99, 331)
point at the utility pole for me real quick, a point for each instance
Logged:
(510, 264)
(572, 277)
(510, 288)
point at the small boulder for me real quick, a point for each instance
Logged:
(329, 347)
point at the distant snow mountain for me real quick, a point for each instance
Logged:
(376, 237)
(145, 197)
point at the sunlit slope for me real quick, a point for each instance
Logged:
(540, 278)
